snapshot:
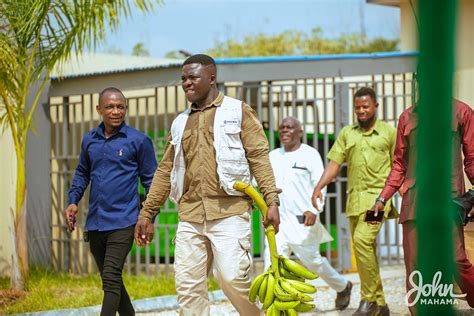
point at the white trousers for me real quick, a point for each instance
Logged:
(224, 246)
(311, 258)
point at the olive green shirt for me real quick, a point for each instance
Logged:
(203, 198)
(369, 156)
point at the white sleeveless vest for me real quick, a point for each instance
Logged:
(232, 164)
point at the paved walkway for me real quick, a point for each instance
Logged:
(393, 279)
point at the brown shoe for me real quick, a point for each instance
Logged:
(366, 309)
(383, 310)
(343, 298)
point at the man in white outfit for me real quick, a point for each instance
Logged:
(298, 168)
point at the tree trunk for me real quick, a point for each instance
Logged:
(22, 240)
(16, 279)
(18, 234)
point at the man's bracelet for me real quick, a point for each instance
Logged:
(381, 200)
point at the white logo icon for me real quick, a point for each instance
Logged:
(425, 292)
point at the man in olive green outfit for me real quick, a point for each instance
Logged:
(367, 148)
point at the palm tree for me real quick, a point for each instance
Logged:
(36, 35)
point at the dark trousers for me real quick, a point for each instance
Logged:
(465, 278)
(110, 249)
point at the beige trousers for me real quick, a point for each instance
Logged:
(224, 246)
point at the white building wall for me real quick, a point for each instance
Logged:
(7, 199)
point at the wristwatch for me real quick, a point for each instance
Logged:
(275, 200)
(381, 200)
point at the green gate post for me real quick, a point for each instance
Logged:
(434, 143)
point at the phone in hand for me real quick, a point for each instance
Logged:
(71, 222)
(370, 216)
(300, 219)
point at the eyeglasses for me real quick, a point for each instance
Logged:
(110, 108)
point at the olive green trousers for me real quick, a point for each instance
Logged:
(364, 242)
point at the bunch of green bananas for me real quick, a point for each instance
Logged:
(281, 289)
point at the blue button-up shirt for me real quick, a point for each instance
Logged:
(113, 166)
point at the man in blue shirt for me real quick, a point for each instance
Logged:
(113, 157)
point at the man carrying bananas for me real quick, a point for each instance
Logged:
(215, 142)
(367, 147)
(297, 168)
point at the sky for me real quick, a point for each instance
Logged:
(196, 25)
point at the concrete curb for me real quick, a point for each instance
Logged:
(153, 304)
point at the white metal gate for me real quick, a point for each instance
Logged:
(323, 105)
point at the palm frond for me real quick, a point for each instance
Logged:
(36, 35)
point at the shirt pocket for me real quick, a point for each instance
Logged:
(186, 140)
(233, 136)
(301, 173)
(232, 148)
(346, 153)
(377, 155)
(350, 144)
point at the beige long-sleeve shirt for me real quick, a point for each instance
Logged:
(203, 198)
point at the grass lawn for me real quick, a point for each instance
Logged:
(48, 290)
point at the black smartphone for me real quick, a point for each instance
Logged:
(300, 219)
(370, 216)
(85, 235)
